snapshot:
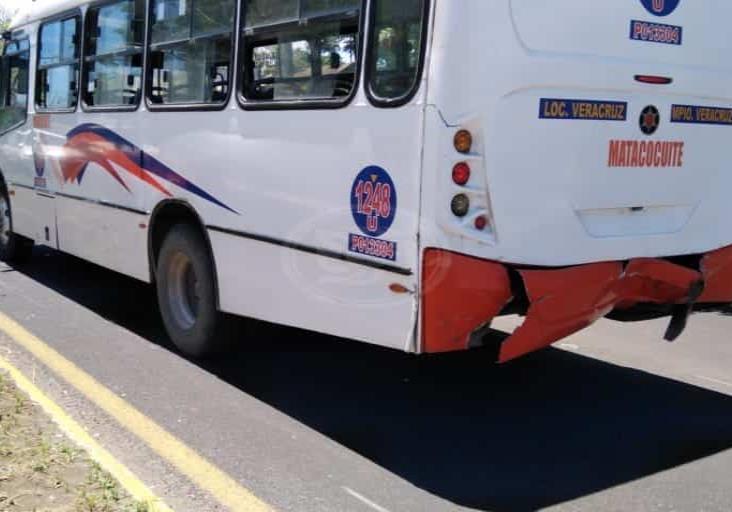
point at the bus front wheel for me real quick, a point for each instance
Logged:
(187, 295)
(14, 248)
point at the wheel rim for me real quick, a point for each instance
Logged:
(183, 293)
(4, 221)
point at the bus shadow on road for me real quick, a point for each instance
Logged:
(547, 429)
(544, 430)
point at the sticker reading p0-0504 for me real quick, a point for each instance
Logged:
(656, 33)
(368, 246)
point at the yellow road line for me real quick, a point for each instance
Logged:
(200, 471)
(106, 460)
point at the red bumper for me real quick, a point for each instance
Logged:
(461, 294)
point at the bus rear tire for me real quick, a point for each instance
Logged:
(14, 248)
(187, 295)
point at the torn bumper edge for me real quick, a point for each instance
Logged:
(716, 267)
(461, 294)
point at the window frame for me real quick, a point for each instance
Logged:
(23, 37)
(66, 15)
(374, 98)
(98, 4)
(187, 107)
(304, 104)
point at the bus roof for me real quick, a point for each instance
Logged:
(39, 9)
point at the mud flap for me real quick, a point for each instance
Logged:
(565, 301)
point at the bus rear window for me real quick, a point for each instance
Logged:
(397, 41)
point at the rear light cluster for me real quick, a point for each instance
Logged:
(461, 176)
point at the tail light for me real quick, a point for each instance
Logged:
(463, 141)
(461, 174)
(460, 205)
(481, 222)
(468, 193)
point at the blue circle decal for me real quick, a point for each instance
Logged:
(373, 201)
(660, 7)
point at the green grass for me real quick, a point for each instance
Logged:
(37, 462)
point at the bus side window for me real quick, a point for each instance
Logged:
(14, 84)
(57, 82)
(113, 42)
(396, 49)
(190, 51)
(299, 49)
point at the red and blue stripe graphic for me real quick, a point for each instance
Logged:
(93, 143)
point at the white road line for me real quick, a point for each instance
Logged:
(365, 500)
(716, 381)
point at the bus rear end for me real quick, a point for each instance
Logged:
(575, 167)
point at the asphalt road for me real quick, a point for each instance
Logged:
(612, 419)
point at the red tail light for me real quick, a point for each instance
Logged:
(481, 223)
(654, 80)
(461, 173)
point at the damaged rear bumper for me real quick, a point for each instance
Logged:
(462, 295)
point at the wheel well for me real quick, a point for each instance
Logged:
(166, 215)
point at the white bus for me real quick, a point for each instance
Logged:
(399, 172)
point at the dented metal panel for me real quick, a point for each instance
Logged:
(566, 301)
(460, 294)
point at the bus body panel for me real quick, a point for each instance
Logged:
(305, 290)
(558, 132)
(115, 238)
(607, 30)
(287, 177)
(31, 213)
(100, 209)
(301, 194)
(274, 191)
(558, 191)
(38, 10)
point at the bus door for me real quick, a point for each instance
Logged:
(100, 208)
(32, 204)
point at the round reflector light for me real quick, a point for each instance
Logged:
(460, 205)
(481, 223)
(461, 173)
(463, 141)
